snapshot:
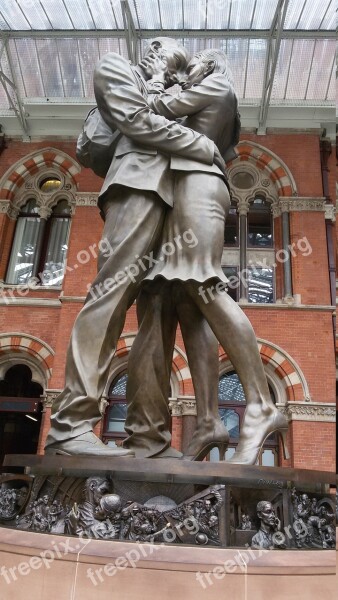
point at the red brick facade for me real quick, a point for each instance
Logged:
(296, 340)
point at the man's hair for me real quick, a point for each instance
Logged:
(261, 505)
(179, 52)
(221, 62)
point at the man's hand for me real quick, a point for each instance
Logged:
(219, 161)
(156, 64)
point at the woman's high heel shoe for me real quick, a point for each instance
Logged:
(218, 438)
(249, 448)
(203, 452)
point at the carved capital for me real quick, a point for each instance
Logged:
(13, 212)
(4, 206)
(330, 212)
(44, 212)
(243, 207)
(182, 406)
(86, 198)
(175, 407)
(188, 405)
(49, 397)
(275, 209)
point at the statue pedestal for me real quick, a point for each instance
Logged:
(169, 502)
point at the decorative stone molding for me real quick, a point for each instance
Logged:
(13, 212)
(175, 407)
(330, 212)
(182, 406)
(86, 198)
(44, 212)
(243, 207)
(4, 206)
(49, 397)
(309, 411)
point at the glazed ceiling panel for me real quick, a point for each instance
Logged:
(48, 48)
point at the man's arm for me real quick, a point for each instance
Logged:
(122, 106)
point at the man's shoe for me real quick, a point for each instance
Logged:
(169, 453)
(86, 444)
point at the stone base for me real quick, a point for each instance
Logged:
(48, 567)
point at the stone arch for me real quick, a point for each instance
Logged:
(180, 373)
(27, 349)
(265, 160)
(281, 370)
(49, 157)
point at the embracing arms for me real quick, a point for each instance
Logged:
(122, 106)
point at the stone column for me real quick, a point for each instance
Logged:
(47, 400)
(243, 209)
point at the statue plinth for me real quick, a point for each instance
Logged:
(169, 501)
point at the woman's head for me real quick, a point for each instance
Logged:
(203, 64)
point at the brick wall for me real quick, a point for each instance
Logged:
(304, 334)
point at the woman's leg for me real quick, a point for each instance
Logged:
(202, 351)
(235, 333)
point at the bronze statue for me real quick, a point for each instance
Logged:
(158, 164)
(201, 206)
(134, 199)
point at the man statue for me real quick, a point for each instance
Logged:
(134, 199)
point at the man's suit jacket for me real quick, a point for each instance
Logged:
(142, 156)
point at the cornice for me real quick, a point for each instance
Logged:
(298, 204)
(86, 198)
(309, 411)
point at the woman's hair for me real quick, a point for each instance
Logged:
(173, 46)
(221, 62)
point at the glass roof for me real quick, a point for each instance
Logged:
(163, 14)
(53, 45)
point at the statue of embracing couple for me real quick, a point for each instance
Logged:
(165, 198)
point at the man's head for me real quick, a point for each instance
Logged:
(203, 64)
(174, 56)
(266, 513)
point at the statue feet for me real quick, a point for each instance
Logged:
(86, 444)
(205, 438)
(255, 430)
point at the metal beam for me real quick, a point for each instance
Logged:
(16, 102)
(130, 31)
(274, 43)
(176, 33)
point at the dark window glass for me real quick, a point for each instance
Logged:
(116, 412)
(119, 386)
(232, 405)
(260, 284)
(56, 245)
(22, 260)
(39, 249)
(233, 285)
(231, 229)
(260, 224)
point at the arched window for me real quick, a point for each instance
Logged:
(40, 246)
(232, 403)
(248, 256)
(116, 412)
